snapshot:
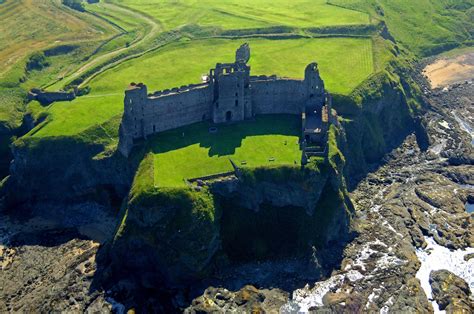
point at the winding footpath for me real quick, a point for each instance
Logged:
(151, 29)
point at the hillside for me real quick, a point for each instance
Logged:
(424, 27)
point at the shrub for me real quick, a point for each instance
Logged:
(37, 61)
(75, 4)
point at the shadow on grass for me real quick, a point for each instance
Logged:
(227, 138)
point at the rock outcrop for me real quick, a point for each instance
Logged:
(181, 236)
(247, 300)
(451, 292)
(65, 169)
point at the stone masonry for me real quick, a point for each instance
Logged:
(228, 94)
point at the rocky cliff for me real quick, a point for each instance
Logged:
(180, 236)
(378, 116)
(64, 169)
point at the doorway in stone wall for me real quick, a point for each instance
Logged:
(228, 116)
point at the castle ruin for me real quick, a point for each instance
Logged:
(228, 94)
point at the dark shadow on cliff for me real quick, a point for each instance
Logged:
(373, 133)
(51, 224)
(226, 138)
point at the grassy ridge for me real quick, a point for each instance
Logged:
(41, 25)
(183, 63)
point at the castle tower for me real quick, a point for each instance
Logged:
(315, 112)
(231, 87)
(314, 83)
(242, 54)
(314, 86)
(133, 117)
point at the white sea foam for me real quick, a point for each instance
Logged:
(437, 257)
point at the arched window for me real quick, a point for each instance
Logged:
(236, 103)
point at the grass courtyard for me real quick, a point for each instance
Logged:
(184, 62)
(193, 151)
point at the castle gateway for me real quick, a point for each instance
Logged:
(229, 94)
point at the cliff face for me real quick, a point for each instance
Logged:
(278, 186)
(65, 169)
(177, 236)
(165, 236)
(377, 118)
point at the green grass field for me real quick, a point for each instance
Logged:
(116, 30)
(425, 27)
(240, 14)
(183, 63)
(269, 140)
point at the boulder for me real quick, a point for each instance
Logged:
(450, 292)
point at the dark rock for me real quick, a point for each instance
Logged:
(450, 292)
(247, 300)
(467, 257)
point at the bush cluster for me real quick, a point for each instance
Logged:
(75, 4)
(37, 61)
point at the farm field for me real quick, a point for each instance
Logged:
(192, 151)
(238, 14)
(184, 62)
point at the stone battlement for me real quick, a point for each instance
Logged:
(177, 90)
(229, 94)
(273, 77)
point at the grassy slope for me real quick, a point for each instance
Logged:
(200, 153)
(139, 34)
(239, 14)
(183, 63)
(28, 26)
(425, 27)
(34, 25)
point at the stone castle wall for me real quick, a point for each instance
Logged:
(170, 109)
(177, 109)
(270, 96)
(229, 95)
(46, 98)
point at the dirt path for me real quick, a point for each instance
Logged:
(450, 70)
(153, 27)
